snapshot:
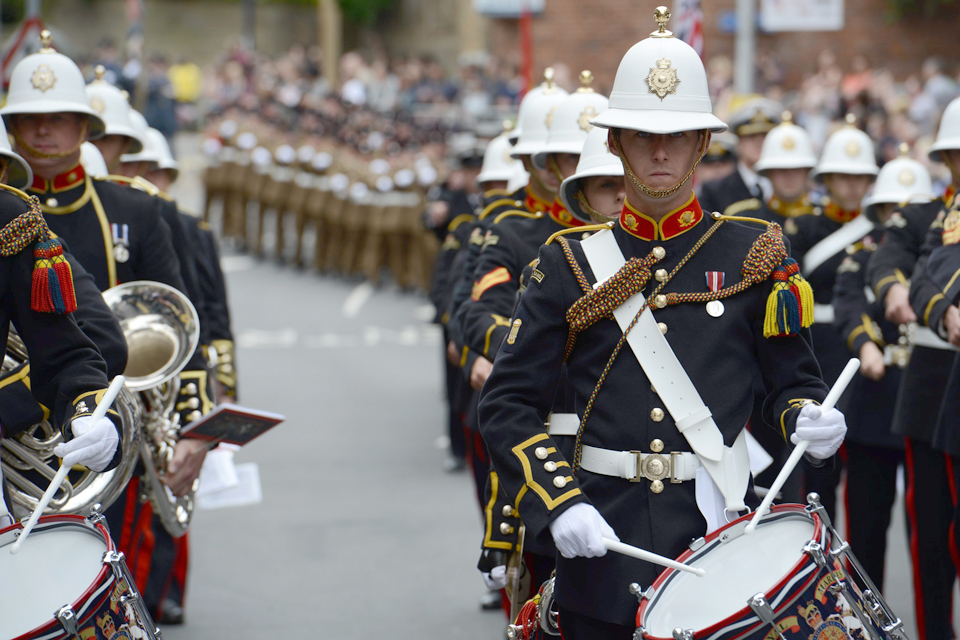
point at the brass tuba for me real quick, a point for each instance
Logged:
(29, 464)
(162, 330)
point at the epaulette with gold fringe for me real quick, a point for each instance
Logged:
(52, 281)
(517, 212)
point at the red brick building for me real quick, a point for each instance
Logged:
(595, 34)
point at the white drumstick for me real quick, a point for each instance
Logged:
(112, 391)
(641, 554)
(828, 403)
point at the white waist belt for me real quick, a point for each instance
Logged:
(823, 313)
(563, 424)
(635, 465)
(926, 337)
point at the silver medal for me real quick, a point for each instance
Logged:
(715, 308)
(121, 253)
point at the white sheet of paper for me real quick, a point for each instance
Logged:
(218, 472)
(247, 491)
(759, 458)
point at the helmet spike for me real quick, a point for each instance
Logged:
(662, 16)
(904, 150)
(586, 79)
(787, 117)
(46, 41)
(548, 77)
(850, 119)
(100, 71)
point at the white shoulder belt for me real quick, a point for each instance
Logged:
(729, 467)
(836, 242)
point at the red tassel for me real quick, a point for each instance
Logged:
(40, 298)
(65, 278)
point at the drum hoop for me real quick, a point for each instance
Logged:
(91, 591)
(667, 575)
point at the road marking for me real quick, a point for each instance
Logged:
(357, 298)
(370, 336)
(232, 264)
(283, 339)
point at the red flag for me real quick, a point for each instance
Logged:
(687, 23)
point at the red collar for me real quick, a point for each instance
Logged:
(535, 204)
(561, 216)
(673, 224)
(948, 195)
(66, 180)
(833, 211)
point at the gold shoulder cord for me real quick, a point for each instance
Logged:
(107, 236)
(517, 212)
(583, 229)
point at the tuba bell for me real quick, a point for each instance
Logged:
(162, 330)
(29, 464)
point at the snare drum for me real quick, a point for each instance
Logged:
(782, 582)
(68, 581)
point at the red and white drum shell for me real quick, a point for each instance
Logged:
(771, 561)
(62, 564)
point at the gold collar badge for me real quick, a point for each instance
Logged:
(663, 79)
(43, 78)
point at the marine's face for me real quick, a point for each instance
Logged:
(111, 148)
(749, 148)
(566, 163)
(847, 189)
(605, 194)
(660, 161)
(788, 184)
(47, 133)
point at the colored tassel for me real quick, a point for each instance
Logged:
(53, 290)
(783, 314)
(65, 280)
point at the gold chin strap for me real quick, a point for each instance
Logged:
(36, 153)
(553, 166)
(535, 177)
(593, 213)
(657, 193)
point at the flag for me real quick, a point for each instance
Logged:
(687, 23)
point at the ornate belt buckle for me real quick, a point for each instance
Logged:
(655, 466)
(639, 472)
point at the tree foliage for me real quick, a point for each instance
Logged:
(363, 12)
(900, 9)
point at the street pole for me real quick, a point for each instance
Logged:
(249, 37)
(33, 8)
(330, 21)
(746, 46)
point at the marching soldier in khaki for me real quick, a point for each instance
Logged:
(116, 233)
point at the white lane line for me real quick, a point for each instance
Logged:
(232, 264)
(357, 298)
(369, 336)
(284, 339)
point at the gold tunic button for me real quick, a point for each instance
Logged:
(559, 482)
(193, 415)
(656, 486)
(541, 453)
(52, 202)
(550, 466)
(189, 390)
(659, 253)
(656, 446)
(663, 327)
(660, 301)
(505, 529)
(657, 414)
(507, 511)
(660, 275)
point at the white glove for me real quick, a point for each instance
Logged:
(579, 531)
(825, 431)
(93, 445)
(496, 579)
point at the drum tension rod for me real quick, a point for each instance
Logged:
(682, 634)
(764, 611)
(640, 593)
(68, 620)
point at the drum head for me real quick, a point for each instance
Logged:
(56, 565)
(736, 571)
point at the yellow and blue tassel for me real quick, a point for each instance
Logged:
(790, 304)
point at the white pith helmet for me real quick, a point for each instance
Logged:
(305, 153)
(570, 123)
(595, 160)
(514, 133)
(92, 161)
(533, 119)
(112, 105)
(50, 82)
(660, 87)
(285, 155)
(948, 135)
(498, 164)
(19, 173)
(519, 179)
(157, 150)
(786, 146)
(901, 181)
(149, 153)
(849, 151)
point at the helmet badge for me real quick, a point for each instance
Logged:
(98, 105)
(43, 79)
(663, 79)
(549, 119)
(584, 120)
(852, 148)
(906, 178)
(789, 143)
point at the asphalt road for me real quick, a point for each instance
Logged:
(360, 531)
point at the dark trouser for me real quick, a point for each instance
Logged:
(824, 482)
(870, 494)
(157, 561)
(929, 513)
(576, 626)
(455, 383)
